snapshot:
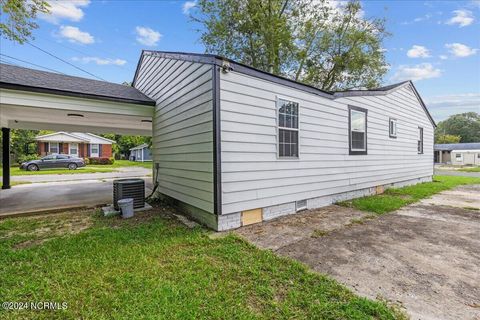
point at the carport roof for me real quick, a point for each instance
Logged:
(457, 146)
(25, 79)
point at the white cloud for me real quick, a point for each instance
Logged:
(443, 57)
(147, 36)
(462, 17)
(418, 52)
(69, 10)
(100, 61)
(417, 72)
(418, 19)
(188, 5)
(75, 35)
(460, 50)
(441, 107)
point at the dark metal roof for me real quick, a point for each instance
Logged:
(25, 79)
(239, 67)
(457, 146)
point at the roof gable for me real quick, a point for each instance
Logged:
(62, 136)
(228, 64)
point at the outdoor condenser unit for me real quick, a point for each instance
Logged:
(129, 188)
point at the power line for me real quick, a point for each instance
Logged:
(31, 63)
(71, 64)
(9, 62)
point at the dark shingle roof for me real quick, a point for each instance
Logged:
(19, 78)
(457, 146)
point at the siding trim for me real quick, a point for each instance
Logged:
(217, 142)
(350, 151)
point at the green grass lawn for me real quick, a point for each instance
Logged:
(152, 267)
(16, 171)
(473, 169)
(396, 198)
(14, 183)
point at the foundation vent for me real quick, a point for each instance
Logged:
(301, 205)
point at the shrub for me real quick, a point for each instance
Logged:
(86, 160)
(26, 157)
(101, 160)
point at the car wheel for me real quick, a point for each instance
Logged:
(72, 166)
(32, 167)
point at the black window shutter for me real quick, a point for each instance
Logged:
(88, 149)
(60, 147)
(46, 147)
(100, 150)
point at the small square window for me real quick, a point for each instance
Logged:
(392, 128)
(301, 205)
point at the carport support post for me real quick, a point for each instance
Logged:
(6, 157)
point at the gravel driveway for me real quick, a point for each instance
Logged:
(424, 257)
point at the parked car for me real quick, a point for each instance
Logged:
(53, 161)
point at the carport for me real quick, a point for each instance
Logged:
(39, 100)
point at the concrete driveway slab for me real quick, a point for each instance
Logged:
(55, 195)
(424, 257)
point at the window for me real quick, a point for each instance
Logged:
(458, 156)
(73, 148)
(53, 147)
(392, 128)
(357, 130)
(420, 141)
(287, 129)
(94, 150)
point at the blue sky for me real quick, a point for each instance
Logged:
(434, 43)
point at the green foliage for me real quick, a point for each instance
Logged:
(396, 198)
(124, 143)
(18, 18)
(446, 138)
(311, 41)
(153, 267)
(28, 157)
(466, 125)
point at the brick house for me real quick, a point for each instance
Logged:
(83, 145)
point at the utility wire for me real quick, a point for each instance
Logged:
(8, 62)
(31, 63)
(71, 64)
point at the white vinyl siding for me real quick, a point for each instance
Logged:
(182, 142)
(254, 177)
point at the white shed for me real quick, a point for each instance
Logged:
(234, 145)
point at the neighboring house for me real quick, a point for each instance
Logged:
(140, 153)
(235, 145)
(83, 145)
(457, 153)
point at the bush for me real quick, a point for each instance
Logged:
(101, 160)
(86, 160)
(26, 157)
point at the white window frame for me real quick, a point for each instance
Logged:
(363, 150)
(97, 154)
(459, 159)
(394, 133)
(50, 147)
(277, 113)
(70, 149)
(420, 140)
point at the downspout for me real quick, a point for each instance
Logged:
(6, 158)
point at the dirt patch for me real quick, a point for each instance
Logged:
(424, 257)
(286, 230)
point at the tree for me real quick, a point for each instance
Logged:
(329, 46)
(18, 18)
(466, 125)
(125, 143)
(446, 138)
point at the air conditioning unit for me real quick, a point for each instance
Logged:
(129, 188)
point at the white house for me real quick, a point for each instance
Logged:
(234, 145)
(458, 153)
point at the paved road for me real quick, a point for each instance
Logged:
(125, 172)
(54, 195)
(456, 173)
